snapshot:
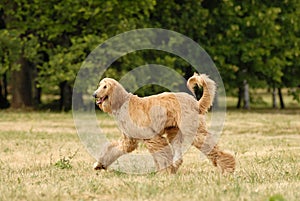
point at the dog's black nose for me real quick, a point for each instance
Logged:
(95, 95)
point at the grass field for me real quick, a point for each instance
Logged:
(42, 158)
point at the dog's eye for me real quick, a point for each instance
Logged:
(104, 87)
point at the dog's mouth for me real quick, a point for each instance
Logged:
(101, 100)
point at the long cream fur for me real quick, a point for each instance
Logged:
(164, 122)
(209, 86)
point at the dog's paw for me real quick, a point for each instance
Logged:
(99, 166)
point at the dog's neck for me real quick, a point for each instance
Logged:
(120, 96)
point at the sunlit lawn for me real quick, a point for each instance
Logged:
(42, 158)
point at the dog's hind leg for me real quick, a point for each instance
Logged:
(161, 152)
(205, 142)
(221, 159)
(175, 138)
(113, 150)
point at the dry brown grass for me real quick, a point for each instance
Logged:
(42, 158)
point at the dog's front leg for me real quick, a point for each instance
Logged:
(110, 152)
(113, 150)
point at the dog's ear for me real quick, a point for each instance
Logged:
(118, 95)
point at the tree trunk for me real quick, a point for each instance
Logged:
(65, 102)
(274, 101)
(3, 93)
(37, 96)
(240, 98)
(78, 103)
(282, 106)
(246, 95)
(22, 85)
(37, 91)
(5, 86)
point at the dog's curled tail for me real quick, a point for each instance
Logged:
(209, 90)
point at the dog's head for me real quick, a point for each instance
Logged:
(104, 94)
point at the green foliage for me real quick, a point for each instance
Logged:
(65, 161)
(65, 32)
(257, 41)
(276, 197)
(295, 93)
(9, 50)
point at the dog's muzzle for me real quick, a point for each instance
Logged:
(94, 94)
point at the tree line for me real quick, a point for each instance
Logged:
(254, 44)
